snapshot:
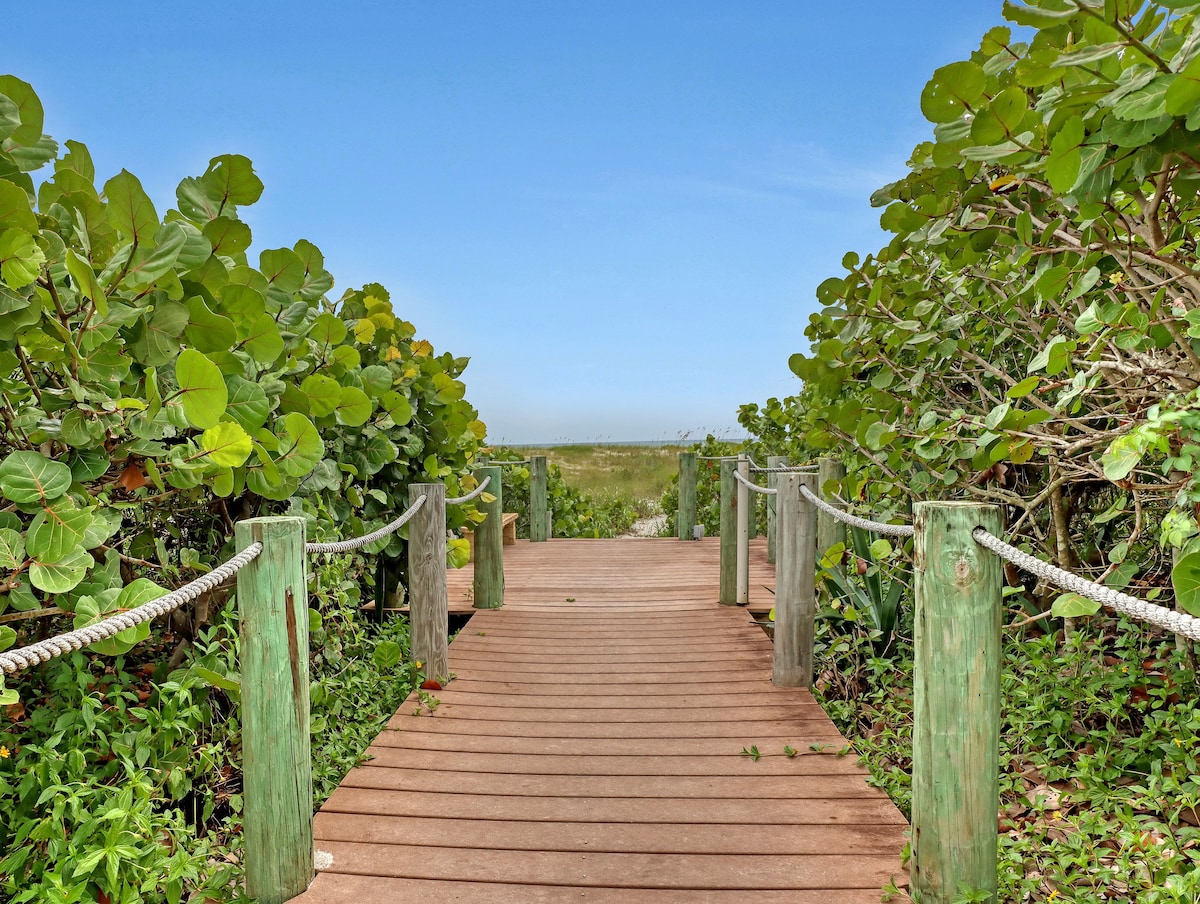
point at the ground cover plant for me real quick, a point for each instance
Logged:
(158, 382)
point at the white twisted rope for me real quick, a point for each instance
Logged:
(458, 500)
(786, 470)
(766, 491)
(895, 530)
(506, 462)
(356, 542)
(44, 650)
(1179, 622)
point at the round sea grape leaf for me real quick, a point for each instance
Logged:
(262, 340)
(243, 304)
(227, 444)
(21, 259)
(258, 482)
(227, 236)
(32, 477)
(1185, 579)
(1072, 605)
(300, 446)
(1184, 92)
(354, 407)
(57, 530)
(954, 90)
(247, 404)
(8, 637)
(1063, 165)
(88, 464)
(63, 575)
(202, 389)
(283, 268)
(15, 211)
(206, 331)
(398, 406)
(105, 523)
(12, 549)
(324, 394)
(327, 329)
(10, 116)
(377, 379)
(231, 178)
(379, 451)
(130, 210)
(31, 114)
(346, 357)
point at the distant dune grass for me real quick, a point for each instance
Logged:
(638, 474)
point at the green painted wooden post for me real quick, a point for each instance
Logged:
(428, 606)
(685, 519)
(537, 499)
(742, 504)
(829, 530)
(728, 590)
(795, 583)
(272, 594)
(956, 700)
(773, 461)
(488, 585)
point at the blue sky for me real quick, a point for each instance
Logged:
(618, 210)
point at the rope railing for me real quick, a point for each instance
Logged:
(459, 500)
(506, 462)
(786, 469)
(879, 527)
(357, 542)
(766, 491)
(1178, 622)
(14, 661)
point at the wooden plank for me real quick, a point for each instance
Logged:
(335, 888)
(683, 811)
(663, 838)
(603, 870)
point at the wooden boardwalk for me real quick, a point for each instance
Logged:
(589, 749)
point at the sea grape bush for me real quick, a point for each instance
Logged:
(158, 382)
(1029, 336)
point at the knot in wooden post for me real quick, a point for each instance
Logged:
(956, 701)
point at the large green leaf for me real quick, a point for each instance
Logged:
(57, 530)
(32, 477)
(354, 407)
(300, 445)
(30, 109)
(15, 210)
(248, 403)
(323, 394)
(1185, 579)
(206, 331)
(1072, 605)
(231, 179)
(130, 209)
(953, 91)
(202, 389)
(63, 575)
(227, 444)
